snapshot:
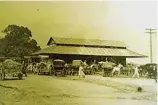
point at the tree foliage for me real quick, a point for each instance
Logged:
(17, 42)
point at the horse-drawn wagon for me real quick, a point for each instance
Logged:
(128, 69)
(41, 65)
(75, 66)
(88, 70)
(151, 70)
(107, 68)
(10, 68)
(44, 68)
(59, 68)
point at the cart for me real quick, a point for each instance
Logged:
(107, 68)
(44, 68)
(58, 67)
(11, 69)
(150, 70)
(75, 67)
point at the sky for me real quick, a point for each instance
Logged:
(108, 20)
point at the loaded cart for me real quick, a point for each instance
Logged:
(75, 66)
(107, 68)
(11, 69)
(44, 68)
(58, 67)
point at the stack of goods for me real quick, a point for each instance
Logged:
(107, 64)
(12, 66)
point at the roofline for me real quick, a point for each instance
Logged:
(94, 46)
(143, 56)
(85, 39)
(52, 38)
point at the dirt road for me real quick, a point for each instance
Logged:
(46, 90)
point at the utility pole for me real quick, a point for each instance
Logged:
(150, 32)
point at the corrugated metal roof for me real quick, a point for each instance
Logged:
(89, 51)
(90, 42)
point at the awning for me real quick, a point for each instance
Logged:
(88, 51)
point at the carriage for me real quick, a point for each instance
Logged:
(10, 68)
(43, 68)
(41, 65)
(142, 70)
(107, 68)
(94, 68)
(127, 70)
(59, 68)
(88, 70)
(150, 69)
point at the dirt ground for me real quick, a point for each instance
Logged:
(47, 90)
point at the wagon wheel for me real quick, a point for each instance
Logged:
(2, 76)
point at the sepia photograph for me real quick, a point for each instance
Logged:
(76, 52)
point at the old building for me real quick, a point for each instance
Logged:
(70, 49)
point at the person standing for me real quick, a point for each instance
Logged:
(136, 72)
(85, 66)
(80, 72)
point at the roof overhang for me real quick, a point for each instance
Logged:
(36, 56)
(72, 50)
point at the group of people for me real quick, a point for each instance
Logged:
(34, 67)
(84, 66)
(117, 69)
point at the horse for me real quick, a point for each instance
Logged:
(116, 69)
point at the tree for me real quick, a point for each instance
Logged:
(17, 42)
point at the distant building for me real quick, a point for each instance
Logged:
(70, 49)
